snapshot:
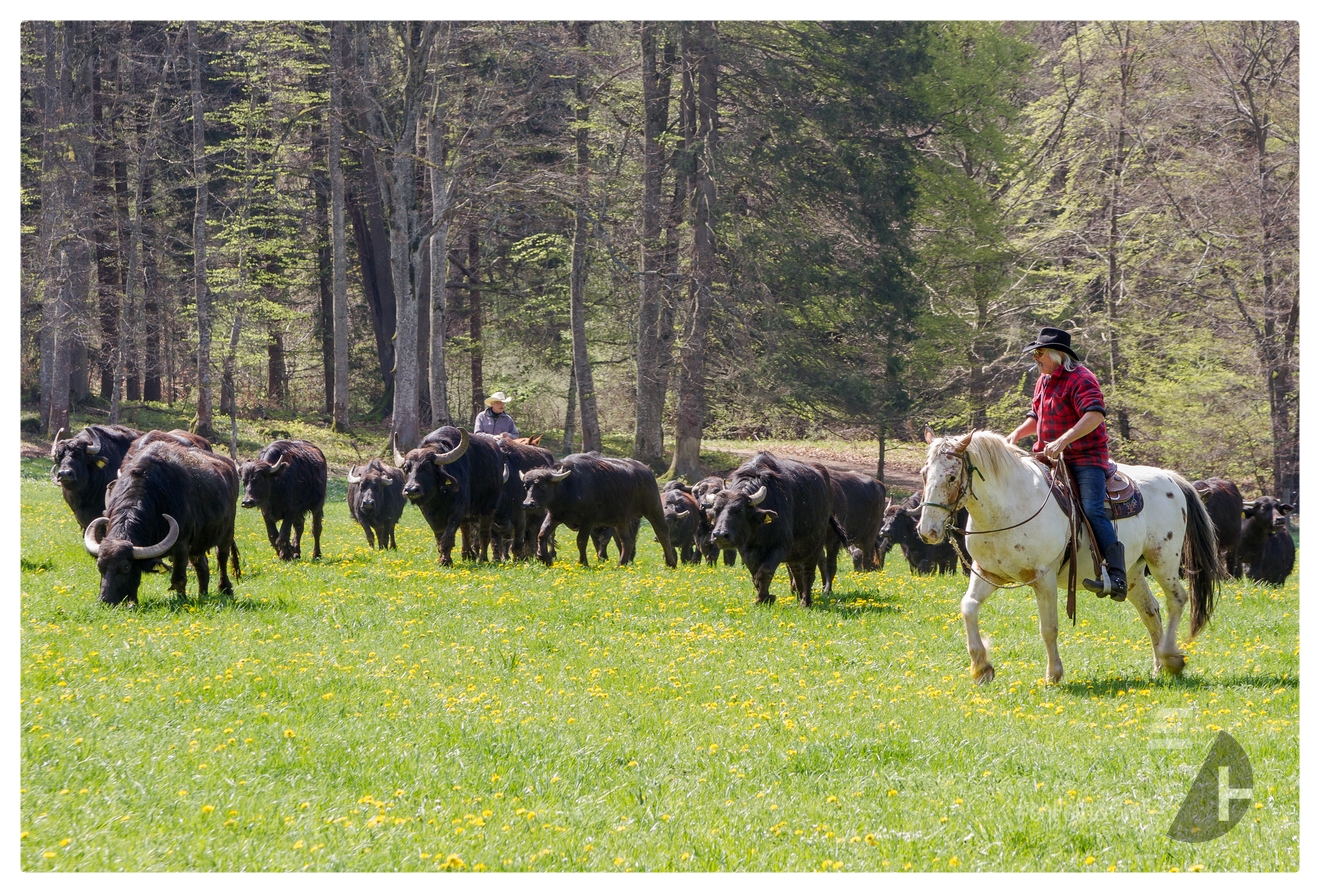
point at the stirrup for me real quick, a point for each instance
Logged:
(1103, 586)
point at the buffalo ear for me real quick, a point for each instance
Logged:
(1285, 507)
(1248, 510)
(770, 515)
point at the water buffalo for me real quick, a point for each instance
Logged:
(1266, 550)
(86, 464)
(1223, 502)
(456, 479)
(777, 511)
(900, 529)
(859, 505)
(586, 491)
(702, 491)
(515, 524)
(286, 482)
(375, 500)
(170, 501)
(682, 517)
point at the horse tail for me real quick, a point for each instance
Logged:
(1200, 557)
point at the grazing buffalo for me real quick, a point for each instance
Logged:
(287, 482)
(900, 529)
(86, 464)
(171, 501)
(703, 492)
(456, 479)
(586, 491)
(777, 511)
(375, 500)
(1266, 549)
(1223, 502)
(515, 524)
(682, 515)
(859, 507)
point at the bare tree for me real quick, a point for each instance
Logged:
(338, 249)
(578, 277)
(201, 290)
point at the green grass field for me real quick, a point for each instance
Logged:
(375, 712)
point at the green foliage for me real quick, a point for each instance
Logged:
(375, 712)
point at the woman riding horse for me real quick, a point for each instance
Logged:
(1067, 416)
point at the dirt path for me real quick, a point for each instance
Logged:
(903, 478)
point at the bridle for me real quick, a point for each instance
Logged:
(966, 491)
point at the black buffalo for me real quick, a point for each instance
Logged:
(515, 524)
(171, 501)
(682, 517)
(586, 491)
(1266, 550)
(286, 482)
(86, 464)
(859, 507)
(375, 500)
(777, 511)
(456, 479)
(703, 491)
(900, 529)
(1224, 502)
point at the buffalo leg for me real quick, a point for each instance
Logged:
(444, 544)
(729, 555)
(221, 556)
(203, 570)
(371, 535)
(627, 544)
(808, 577)
(828, 568)
(282, 547)
(545, 539)
(657, 519)
(483, 531)
(584, 534)
(179, 572)
(316, 533)
(272, 533)
(296, 543)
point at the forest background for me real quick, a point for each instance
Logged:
(673, 230)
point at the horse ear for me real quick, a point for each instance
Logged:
(929, 434)
(963, 442)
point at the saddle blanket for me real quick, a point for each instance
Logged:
(1122, 497)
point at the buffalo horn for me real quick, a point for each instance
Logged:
(505, 478)
(90, 538)
(558, 476)
(456, 453)
(279, 466)
(353, 478)
(394, 445)
(758, 497)
(55, 444)
(683, 514)
(161, 547)
(95, 446)
(522, 476)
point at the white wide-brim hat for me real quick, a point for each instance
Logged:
(497, 397)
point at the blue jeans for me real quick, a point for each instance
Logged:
(1091, 485)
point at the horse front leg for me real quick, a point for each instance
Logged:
(978, 590)
(1046, 586)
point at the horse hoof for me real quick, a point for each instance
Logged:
(987, 676)
(1174, 664)
(1055, 678)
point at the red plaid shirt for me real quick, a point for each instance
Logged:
(1060, 400)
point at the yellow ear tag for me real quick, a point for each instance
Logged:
(767, 519)
(100, 463)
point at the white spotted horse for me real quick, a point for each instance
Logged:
(1018, 534)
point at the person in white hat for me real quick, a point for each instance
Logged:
(493, 419)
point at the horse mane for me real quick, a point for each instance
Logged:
(994, 455)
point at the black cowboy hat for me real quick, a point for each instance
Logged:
(1052, 339)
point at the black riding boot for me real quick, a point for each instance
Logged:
(1116, 562)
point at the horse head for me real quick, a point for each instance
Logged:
(945, 477)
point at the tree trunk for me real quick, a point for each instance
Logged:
(570, 415)
(338, 248)
(655, 331)
(880, 434)
(367, 212)
(1115, 167)
(439, 378)
(577, 312)
(275, 371)
(700, 86)
(201, 290)
(474, 320)
(325, 322)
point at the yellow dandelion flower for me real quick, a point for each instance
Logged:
(1090, 860)
(208, 808)
(289, 733)
(65, 842)
(954, 861)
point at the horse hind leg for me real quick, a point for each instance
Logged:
(1148, 611)
(1175, 599)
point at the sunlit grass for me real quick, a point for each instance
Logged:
(374, 711)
